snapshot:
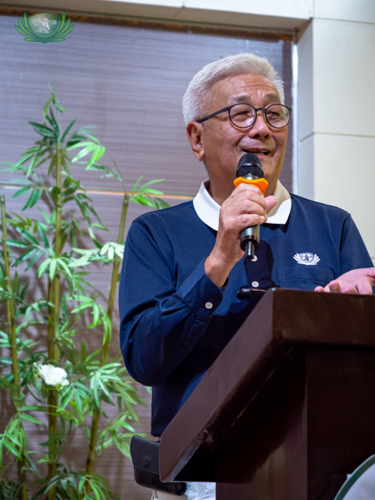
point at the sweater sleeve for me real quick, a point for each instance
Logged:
(160, 323)
(353, 252)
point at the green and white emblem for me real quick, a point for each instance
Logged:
(44, 27)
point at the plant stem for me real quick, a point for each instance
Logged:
(12, 342)
(116, 265)
(57, 253)
(53, 349)
(51, 339)
(9, 302)
(90, 462)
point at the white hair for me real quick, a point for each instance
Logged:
(193, 102)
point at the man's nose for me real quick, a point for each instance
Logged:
(260, 126)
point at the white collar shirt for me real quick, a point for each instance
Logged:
(208, 210)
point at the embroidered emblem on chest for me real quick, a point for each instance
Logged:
(306, 258)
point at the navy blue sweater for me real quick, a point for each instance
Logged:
(169, 338)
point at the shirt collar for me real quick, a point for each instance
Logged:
(208, 210)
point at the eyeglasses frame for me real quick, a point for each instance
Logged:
(228, 108)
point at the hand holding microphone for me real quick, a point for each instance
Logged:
(250, 171)
(244, 208)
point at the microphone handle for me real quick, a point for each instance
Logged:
(249, 237)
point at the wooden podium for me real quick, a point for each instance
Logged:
(288, 408)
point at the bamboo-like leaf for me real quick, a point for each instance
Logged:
(53, 122)
(153, 181)
(33, 198)
(11, 448)
(86, 150)
(17, 243)
(149, 191)
(64, 266)
(59, 108)
(55, 192)
(136, 185)
(100, 226)
(83, 351)
(26, 416)
(43, 235)
(52, 268)
(83, 261)
(67, 130)
(161, 203)
(28, 236)
(45, 216)
(43, 130)
(23, 160)
(111, 253)
(30, 200)
(21, 191)
(94, 139)
(33, 149)
(142, 200)
(24, 256)
(43, 267)
(80, 308)
(24, 290)
(91, 233)
(63, 307)
(34, 259)
(98, 153)
(52, 164)
(32, 165)
(30, 408)
(46, 106)
(93, 211)
(91, 356)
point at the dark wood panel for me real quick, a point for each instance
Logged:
(129, 82)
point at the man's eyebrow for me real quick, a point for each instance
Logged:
(247, 98)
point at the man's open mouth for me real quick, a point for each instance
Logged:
(263, 152)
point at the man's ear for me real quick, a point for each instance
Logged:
(194, 132)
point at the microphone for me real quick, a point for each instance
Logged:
(250, 171)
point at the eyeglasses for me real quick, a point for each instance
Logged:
(244, 115)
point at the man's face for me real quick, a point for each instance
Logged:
(222, 144)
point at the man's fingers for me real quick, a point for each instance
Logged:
(364, 287)
(334, 287)
(357, 281)
(271, 202)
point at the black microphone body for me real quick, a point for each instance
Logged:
(250, 170)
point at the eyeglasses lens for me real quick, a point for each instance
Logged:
(243, 115)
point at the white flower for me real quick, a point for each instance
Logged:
(53, 375)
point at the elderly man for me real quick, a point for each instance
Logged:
(183, 266)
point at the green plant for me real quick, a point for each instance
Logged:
(65, 381)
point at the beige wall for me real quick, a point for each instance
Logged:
(336, 109)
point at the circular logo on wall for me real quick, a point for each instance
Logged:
(44, 24)
(44, 27)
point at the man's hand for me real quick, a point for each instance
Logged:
(357, 281)
(245, 207)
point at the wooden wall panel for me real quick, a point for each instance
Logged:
(129, 81)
